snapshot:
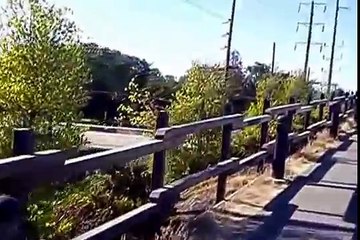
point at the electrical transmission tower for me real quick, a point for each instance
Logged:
(337, 8)
(310, 26)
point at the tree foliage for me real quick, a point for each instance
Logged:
(278, 88)
(112, 72)
(138, 110)
(201, 96)
(42, 72)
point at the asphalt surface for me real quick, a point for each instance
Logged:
(112, 140)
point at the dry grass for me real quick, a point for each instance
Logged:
(201, 198)
(348, 125)
(309, 154)
(252, 198)
(203, 195)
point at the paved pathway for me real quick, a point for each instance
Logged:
(320, 206)
(112, 140)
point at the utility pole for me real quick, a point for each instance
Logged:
(310, 25)
(228, 50)
(337, 8)
(273, 58)
(308, 75)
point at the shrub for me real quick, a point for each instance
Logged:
(41, 65)
(63, 212)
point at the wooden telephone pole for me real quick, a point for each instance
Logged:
(331, 65)
(273, 58)
(310, 25)
(228, 50)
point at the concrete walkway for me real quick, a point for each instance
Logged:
(322, 205)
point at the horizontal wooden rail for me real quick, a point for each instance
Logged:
(269, 146)
(319, 102)
(20, 165)
(233, 164)
(301, 136)
(305, 109)
(317, 125)
(350, 111)
(196, 127)
(251, 121)
(114, 157)
(284, 109)
(340, 98)
(116, 227)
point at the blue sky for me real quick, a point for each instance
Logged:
(171, 33)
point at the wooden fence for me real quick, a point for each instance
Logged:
(28, 169)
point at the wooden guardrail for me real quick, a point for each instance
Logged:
(54, 165)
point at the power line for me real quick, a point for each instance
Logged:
(204, 10)
(229, 21)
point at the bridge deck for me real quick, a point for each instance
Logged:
(320, 206)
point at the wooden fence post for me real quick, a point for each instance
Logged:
(159, 160)
(264, 132)
(332, 96)
(11, 219)
(335, 119)
(23, 141)
(290, 115)
(321, 107)
(351, 100)
(281, 147)
(264, 126)
(225, 154)
(307, 116)
(290, 118)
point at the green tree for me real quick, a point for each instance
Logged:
(138, 110)
(43, 74)
(201, 96)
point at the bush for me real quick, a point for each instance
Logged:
(41, 65)
(278, 89)
(63, 212)
(201, 96)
